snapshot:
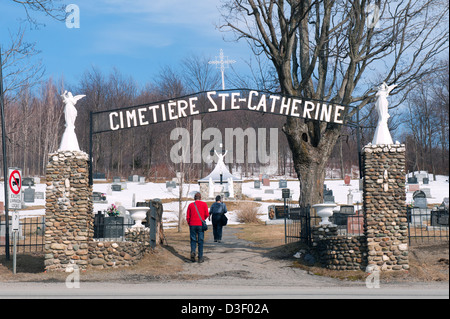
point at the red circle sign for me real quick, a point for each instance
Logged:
(15, 182)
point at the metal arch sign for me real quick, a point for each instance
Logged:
(217, 101)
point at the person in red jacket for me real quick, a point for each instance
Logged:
(195, 225)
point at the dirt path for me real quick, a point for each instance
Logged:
(236, 261)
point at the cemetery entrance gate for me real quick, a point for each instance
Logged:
(221, 101)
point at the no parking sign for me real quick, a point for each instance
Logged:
(15, 187)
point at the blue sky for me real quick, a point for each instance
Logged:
(137, 37)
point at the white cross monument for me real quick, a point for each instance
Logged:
(224, 63)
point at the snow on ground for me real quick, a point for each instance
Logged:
(439, 189)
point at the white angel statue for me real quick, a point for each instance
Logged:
(69, 141)
(382, 134)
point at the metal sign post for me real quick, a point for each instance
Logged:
(15, 229)
(5, 165)
(285, 192)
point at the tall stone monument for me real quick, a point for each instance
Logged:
(385, 220)
(68, 209)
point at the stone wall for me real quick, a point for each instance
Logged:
(339, 252)
(104, 255)
(385, 222)
(69, 226)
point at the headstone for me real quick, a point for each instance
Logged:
(277, 212)
(285, 193)
(266, 182)
(439, 217)
(412, 180)
(141, 180)
(349, 197)
(108, 190)
(171, 184)
(420, 177)
(98, 197)
(114, 227)
(445, 203)
(116, 179)
(427, 192)
(426, 180)
(116, 187)
(28, 195)
(124, 185)
(257, 184)
(340, 217)
(347, 180)
(98, 176)
(39, 195)
(413, 187)
(127, 220)
(282, 183)
(268, 191)
(99, 225)
(420, 202)
(355, 224)
(419, 194)
(328, 195)
(135, 178)
(27, 181)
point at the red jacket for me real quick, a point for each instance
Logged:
(192, 216)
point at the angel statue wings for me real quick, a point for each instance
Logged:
(382, 134)
(69, 140)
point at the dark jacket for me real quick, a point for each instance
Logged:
(216, 211)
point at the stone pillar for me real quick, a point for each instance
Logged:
(385, 222)
(68, 211)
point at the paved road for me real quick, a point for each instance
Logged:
(182, 290)
(234, 269)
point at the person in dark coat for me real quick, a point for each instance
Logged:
(217, 212)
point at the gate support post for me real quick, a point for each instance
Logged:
(385, 221)
(68, 211)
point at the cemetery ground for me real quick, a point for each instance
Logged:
(254, 253)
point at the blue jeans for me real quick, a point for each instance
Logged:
(197, 237)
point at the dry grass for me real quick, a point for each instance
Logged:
(247, 212)
(262, 235)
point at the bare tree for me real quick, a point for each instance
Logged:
(339, 51)
(52, 8)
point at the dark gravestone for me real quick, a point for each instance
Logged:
(114, 227)
(116, 187)
(420, 199)
(28, 195)
(328, 196)
(340, 218)
(99, 176)
(257, 184)
(282, 183)
(439, 217)
(412, 180)
(99, 225)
